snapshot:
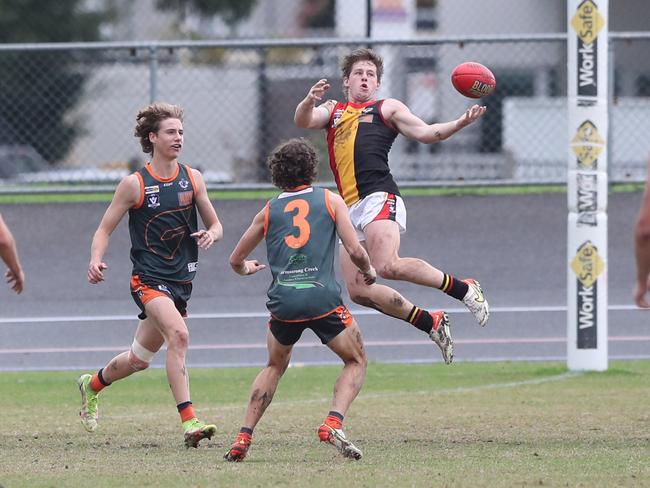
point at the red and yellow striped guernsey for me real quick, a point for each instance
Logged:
(358, 141)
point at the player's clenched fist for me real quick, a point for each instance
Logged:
(96, 272)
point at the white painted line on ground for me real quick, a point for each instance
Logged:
(473, 389)
(301, 345)
(250, 315)
(261, 364)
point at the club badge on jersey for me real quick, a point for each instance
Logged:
(153, 200)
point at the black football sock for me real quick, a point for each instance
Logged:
(421, 319)
(454, 287)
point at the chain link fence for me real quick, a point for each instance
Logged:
(67, 112)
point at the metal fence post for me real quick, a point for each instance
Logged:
(153, 74)
(263, 119)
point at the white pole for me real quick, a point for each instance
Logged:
(587, 100)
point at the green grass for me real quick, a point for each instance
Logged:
(72, 197)
(470, 424)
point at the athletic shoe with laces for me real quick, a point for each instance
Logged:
(239, 449)
(336, 437)
(89, 412)
(475, 301)
(441, 335)
(195, 431)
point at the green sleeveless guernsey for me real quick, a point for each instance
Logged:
(300, 243)
(160, 226)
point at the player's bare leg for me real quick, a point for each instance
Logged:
(148, 341)
(383, 242)
(174, 330)
(348, 345)
(172, 327)
(262, 392)
(267, 380)
(379, 297)
(390, 302)
(128, 362)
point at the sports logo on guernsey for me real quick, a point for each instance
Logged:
(343, 314)
(183, 183)
(366, 115)
(298, 258)
(337, 116)
(298, 274)
(148, 190)
(153, 200)
(185, 197)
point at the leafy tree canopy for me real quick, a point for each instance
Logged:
(231, 11)
(47, 21)
(39, 88)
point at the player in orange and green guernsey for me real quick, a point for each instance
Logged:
(162, 199)
(360, 133)
(300, 227)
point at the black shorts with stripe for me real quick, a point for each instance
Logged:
(326, 327)
(145, 288)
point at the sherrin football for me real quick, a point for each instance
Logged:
(473, 80)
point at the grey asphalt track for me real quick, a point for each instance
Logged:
(515, 245)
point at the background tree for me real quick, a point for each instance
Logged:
(39, 88)
(230, 11)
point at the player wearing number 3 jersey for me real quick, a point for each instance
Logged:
(300, 227)
(302, 262)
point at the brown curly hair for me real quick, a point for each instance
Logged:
(293, 163)
(149, 119)
(362, 54)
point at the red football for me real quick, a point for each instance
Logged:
(473, 80)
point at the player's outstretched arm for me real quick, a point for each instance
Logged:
(348, 236)
(9, 254)
(415, 128)
(308, 115)
(248, 242)
(642, 249)
(127, 195)
(214, 230)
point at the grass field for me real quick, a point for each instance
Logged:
(471, 424)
